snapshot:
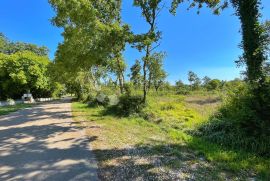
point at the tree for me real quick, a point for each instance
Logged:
(266, 27)
(157, 74)
(8, 47)
(93, 35)
(136, 74)
(22, 72)
(150, 11)
(181, 88)
(213, 84)
(206, 80)
(194, 80)
(254, 48)
(118, 67)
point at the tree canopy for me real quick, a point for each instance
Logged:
(22, 72)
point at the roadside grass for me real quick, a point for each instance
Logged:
(160, 147)
(8, 109)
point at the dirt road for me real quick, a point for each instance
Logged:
(42, 143)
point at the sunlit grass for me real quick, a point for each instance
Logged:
(8, 109)
(178, 114)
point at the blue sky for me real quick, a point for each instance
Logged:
(204, 43)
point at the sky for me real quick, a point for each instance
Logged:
(206, 44)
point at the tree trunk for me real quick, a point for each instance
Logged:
(120, 76)
(254, 56)
(252, 42)
(144, 79)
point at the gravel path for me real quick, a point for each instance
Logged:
(42, 143)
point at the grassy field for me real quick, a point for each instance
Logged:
(8, 109)
(160, 146)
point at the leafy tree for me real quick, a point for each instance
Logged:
(93, 35)
(157, 74)
(254, 49)
(21, 72)
(118, 67)
(136, 74)
(194, 80)
(146, 42)
(213, 84)
(8, 47)
(206, 80)
(181, 88)
(179, 84)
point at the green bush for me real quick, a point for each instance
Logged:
(237, 124)
(129, 105)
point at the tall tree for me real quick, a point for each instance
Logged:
(118, 67)
(253, 45)
(146, 42)
(157, 74)
(252, 33)
(93, 35)
(206, 80)
(194, 80)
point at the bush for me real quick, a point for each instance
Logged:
(129, 105)
(183, 91)
(237, 124)
(99, 99)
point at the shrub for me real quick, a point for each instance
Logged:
(236, 125)
(99, 99)
(130, 105)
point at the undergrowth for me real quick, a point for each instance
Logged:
(185, 120)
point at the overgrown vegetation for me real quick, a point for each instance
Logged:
(162, 144)
(211, 126)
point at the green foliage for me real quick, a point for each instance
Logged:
(181, 88)
(194, 80)
(129, 105)
(7, 47)
(164, 135)
(216, 5)
(157, 74)
(21, 72)
(117, 66)
(92, 33)
(238, 125)
(136, 77)
(150, 9)
(58, 90)
(213, 85)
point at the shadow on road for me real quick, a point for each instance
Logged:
(41, 143)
